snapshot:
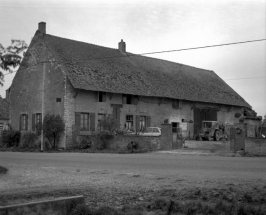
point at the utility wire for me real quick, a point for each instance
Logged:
(244, 78)
(158, 52)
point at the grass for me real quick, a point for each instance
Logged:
(3, 170)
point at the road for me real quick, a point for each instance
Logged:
(153, 163)
(118, 179)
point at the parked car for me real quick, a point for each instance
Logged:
(151, 131)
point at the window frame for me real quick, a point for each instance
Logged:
(129, 122)
(84, 121)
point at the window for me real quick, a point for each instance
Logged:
(84, 121)
(36, 118)
(100, 118)
(58, 100)
(142, 123)
(129, 122)
(101, 97)
(127, 99)
(176, 103)
(24, 122)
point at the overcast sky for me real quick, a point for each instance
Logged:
(149, 26)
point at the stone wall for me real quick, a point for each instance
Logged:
(120, 142)
(254, 146)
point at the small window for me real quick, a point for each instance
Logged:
(24, 122)
(38, 118)
(102, 97)
(176, 103)
(84, 121)
(129, 122)
(127, 99)
(142, 123)
(58, 100)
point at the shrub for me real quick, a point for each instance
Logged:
(28, 140)
(84, 143)
(103, 138)
(133, 146)
(11, 138)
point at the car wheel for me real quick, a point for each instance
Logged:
(216, 136)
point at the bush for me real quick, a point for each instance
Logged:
(84, 143)
(28, 140)
(133, 146)
(103, 138)
(10, 138)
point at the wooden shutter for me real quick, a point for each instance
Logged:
(92, 121)
(137, 124)
(33, 122)
(20, 122)
(148, 121)
(77, 119)
(26, 122)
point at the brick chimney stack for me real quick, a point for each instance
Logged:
(122, 46)
(42, 27)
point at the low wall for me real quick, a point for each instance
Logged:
(59, 206)
(208, 145)
(120, 142)
(254, 146)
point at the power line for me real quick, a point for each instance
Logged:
(244, 78)
(203, 47)
(158, 52)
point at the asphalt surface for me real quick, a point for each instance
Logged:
(251, 168)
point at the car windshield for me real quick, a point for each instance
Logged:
(207, 124)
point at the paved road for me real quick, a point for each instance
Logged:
(159, 164)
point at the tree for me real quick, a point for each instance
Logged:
(52, 127)
(10, 57)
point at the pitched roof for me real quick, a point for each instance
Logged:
(4, 108)
(97, 68)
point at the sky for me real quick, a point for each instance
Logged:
(153, 25)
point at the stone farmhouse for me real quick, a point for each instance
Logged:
(83, 83)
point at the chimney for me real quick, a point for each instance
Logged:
(122, 46)
(42, 27)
